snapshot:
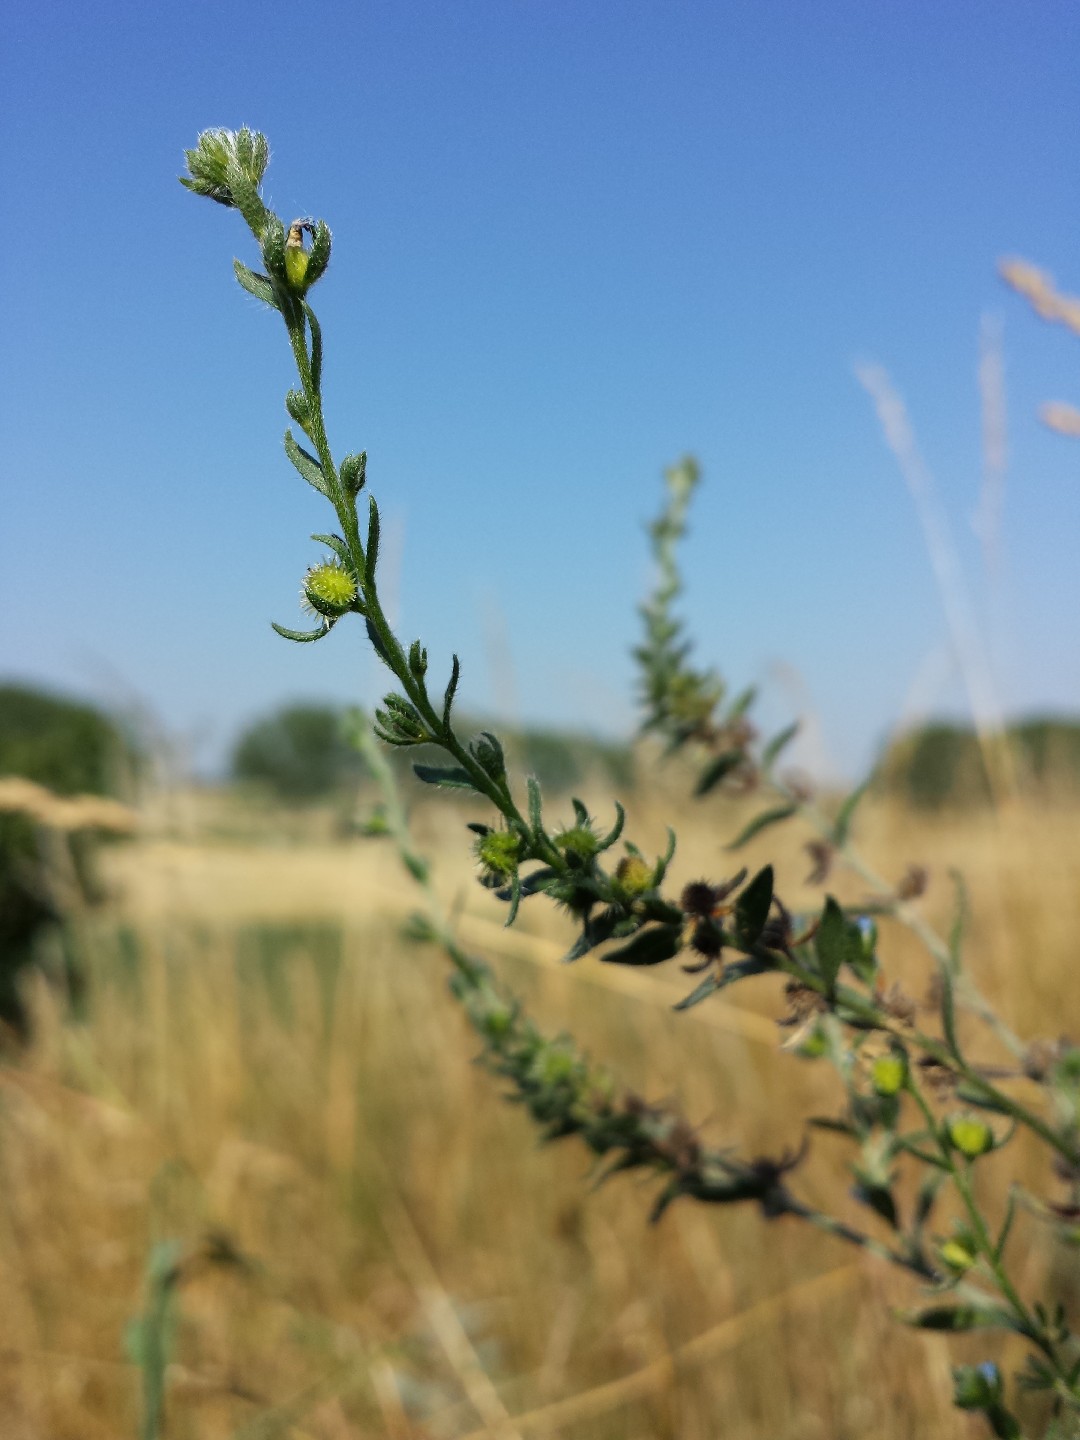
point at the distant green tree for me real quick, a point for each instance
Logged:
(942, 764)
(299, 753)
(70, 748)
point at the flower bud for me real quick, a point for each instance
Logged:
(498, 853)
(970, 1136)
(329, 589)
(634, 874)
(889, 1074)
(956, 1256)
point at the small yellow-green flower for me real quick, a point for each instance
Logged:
(329, 589)
(956, 1256)
(970, 1136)
(889, 1074)
(296, 257)
(634, 874)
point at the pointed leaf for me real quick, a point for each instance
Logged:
(303, 637)
(742, 703)
(752, 908)
(615, 831)
(451, 691)
(665, 860)
(771, 753)
(960, 1317)
(450, 777)
(372, 548)
(761, 822)
(338, 546)
(261, 286)
(842, 825)
(377, 644)
(535, 817)
(708, 987)
(716, 770)
(515, 900)
(837, 942)
(959, 925)
(648, 947)
(316, 348)
(948, 1010)
(306, 464)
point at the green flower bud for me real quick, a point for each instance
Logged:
(956, 1256)
(634, 874)
(889, 1074)
(498, 852)
(329, 589)
(579, 843)
(970, 1136)
(223, 160)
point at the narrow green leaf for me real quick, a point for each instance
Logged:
(742, 703)
(708, 986)
(316, 348)
(648, 947)
(752, 908)
(836, 943)
(960, 1318)
(842, 825)
(1006, 1225)
(338, 546)
(665, 860)
(372, 547)
(615, 831)
(261, 286)
(377, 644)
(959, 925)
(416, 865)
(515, 901)
(948, 1011)
(761, 822)
(306, 464)
(303, 637)
(594, 932)
(450, 777)
(451, 691)
(535, 817)
(717, 768)
(771, 753)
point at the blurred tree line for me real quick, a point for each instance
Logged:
(71, 749)
(299, 754)
(941, 765)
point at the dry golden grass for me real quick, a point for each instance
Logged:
(269, 1072)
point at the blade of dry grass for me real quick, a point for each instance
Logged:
(662, 1372)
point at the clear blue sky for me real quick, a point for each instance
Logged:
(573, 240)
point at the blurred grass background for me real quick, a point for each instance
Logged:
(368, 1240)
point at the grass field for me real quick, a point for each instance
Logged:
(368, 1241)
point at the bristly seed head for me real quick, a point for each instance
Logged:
(699, 898)
(328, 589)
